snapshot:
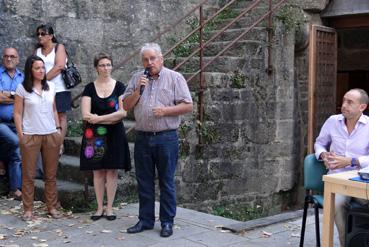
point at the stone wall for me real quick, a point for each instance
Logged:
(255, 134)
(87, 27)
(252, 158)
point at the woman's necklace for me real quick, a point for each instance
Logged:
(46, 50)
(104, 87)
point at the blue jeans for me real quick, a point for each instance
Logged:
(159, 152)
(10, 152)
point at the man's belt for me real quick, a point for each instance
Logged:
(149, 133)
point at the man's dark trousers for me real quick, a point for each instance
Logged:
(156, 151)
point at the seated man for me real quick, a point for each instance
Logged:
(10, 77)
(343, 145)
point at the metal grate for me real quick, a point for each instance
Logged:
(322, 79)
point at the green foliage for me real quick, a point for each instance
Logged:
(79, 205)
(183, 129)
(238, 212)
(238, 79)
(291, 16)
(208, 133)
(75, 128)
(187, 46)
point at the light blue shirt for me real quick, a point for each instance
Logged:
(8, 84)
(334, 137)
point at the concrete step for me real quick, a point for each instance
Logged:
(240, 4)
(212, 80)
(257, 33)
(223, 64)
(243, 22)
(69, 165)
(69, 193)
(250, 48)
(68, 170)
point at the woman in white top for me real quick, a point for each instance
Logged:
(55, 57)
(36, 120)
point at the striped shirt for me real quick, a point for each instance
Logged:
(334, 137)
(169, 89)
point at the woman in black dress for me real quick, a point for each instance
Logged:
(104, 144)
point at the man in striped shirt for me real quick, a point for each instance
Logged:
(158, 96)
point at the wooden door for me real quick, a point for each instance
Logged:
(322, 79)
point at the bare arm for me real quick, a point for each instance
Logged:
(131, 100)
(111, 118)
(18, 115)
(59, 65)
(5, 98)
(181, 108)
(56, 116)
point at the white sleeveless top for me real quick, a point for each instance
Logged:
(49, 61)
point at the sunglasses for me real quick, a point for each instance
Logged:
(41, 33)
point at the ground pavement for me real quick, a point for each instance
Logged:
(192, 229)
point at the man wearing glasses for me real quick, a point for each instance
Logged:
(10, 77)
(158, 96)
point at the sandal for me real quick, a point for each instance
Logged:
(55, 214)
(16, 196)
(28, 216)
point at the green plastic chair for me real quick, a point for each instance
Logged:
(313, 173)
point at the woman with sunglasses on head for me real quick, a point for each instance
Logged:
(36, 121)
(55, 57)
(104, 144)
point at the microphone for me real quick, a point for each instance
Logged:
(146, 73)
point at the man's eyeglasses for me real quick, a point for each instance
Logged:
(41, 34)
(150, 59)
(9, 56)
(108, 65)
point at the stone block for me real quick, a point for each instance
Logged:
(225, 95)
(198, 192)
(225, 169)
(284, 130)
(256, 132)
(195, 172)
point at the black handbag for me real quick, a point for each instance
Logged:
(70, 74)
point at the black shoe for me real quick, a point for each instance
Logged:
(166, 230)
(110, 217)
(139, 227)
(96, 217)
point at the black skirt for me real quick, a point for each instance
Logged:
(104, 146)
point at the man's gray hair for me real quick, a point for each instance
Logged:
(151, 46)
(364, 99)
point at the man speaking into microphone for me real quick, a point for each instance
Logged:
(158, 101)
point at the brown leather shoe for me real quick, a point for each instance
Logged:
(2, 168)
(15, 195)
